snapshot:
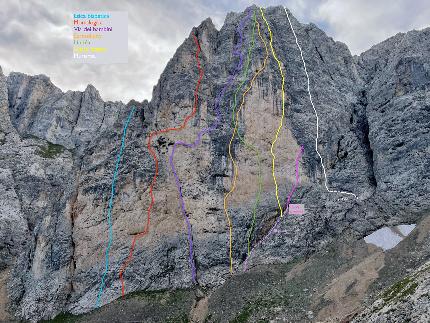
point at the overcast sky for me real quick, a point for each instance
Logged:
(36, 39)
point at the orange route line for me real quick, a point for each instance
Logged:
(154, 179)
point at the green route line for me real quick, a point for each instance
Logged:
(248, 145)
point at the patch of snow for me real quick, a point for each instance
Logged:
(405, 229)
(384, 238)
(387, 238)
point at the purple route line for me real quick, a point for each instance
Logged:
(273, 229)
(236, 52)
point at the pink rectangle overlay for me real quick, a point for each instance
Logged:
(297, 209)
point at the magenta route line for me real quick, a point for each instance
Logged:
(287, 204)
(299, 155)
(236, 52)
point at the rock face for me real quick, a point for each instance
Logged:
(71, 119)
(396, 76)
(59, 153)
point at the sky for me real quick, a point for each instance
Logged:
(35, 37)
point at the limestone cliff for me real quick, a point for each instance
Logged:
(59, 151)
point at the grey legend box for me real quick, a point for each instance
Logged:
(100, 37)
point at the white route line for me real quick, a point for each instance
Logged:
(310, 98)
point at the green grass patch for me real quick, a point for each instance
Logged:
(183, 318)
(63, 318)
(259, 304)
(173, 296)
(400, 290)
(244, 314)
(148, 295)
(50, 150)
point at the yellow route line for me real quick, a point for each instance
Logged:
(235, 168)
(283, 112)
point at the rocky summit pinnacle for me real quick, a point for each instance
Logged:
(59, 152)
